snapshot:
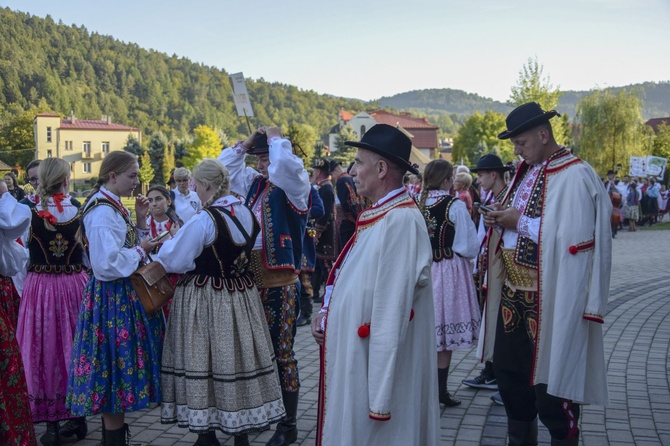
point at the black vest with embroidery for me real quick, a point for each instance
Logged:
(224, 263)
(440, 230)
(54, 252)
(132, 238)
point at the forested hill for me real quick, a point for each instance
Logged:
(655, 100)
(94, 75)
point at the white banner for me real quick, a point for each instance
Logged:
(240, 95)
(650, 166)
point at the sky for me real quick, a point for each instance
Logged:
(369, 49)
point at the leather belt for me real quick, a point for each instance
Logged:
(270, 278)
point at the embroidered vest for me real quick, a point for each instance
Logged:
(224, 263)
(440, 230)
(132, 239)
(54, 252)
(283, 226)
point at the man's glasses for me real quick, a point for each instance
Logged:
(33, 179)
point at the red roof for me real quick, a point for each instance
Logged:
(654, 122)
(93, 124)
(345, 115)
(404, 120)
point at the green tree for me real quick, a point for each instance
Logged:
(344, 153)
(611, 129)
(168, 162)
(303, 137)
(133, 146)
(157, 146)
(533, 87)
(17, 138)
(661, 141)
(479, 136)
(147, 172)
(206, 144)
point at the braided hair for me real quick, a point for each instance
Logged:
(51, 172)
(435, 173)
(210, 172)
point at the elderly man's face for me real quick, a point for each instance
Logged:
(182, 184)
(365, 173)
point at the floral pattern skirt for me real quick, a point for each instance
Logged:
(116, 355)
(47, 322)
(16, 424)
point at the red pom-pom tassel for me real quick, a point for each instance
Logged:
(364, 331)
(572, 249)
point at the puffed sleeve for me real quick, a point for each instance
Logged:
(179, 253)
(241, 176)
(14, 221)
(287, 172)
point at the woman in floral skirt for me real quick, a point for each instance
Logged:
(117, 347)
(16, 425)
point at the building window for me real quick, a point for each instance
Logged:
(86, 167)
(362, 130)
(87, 149)
(48, 134)
(105, 148)
(49, 154)
(68, 145)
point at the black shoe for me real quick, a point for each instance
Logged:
(448, 400)
(496, 398)
(51, 437)
(483, 381)
(208, 439)
(241, 440)
(317, 299)
(302, 321)
(285, 435)
(74, 426)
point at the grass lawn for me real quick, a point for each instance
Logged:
(657, 227)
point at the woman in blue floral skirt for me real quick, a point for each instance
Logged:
(117, 348)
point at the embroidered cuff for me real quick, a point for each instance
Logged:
(143, 255)
(380, 416)
(239, 148)
(594, 318)
(523, 226)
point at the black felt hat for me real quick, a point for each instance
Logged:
(489, 162)
(525, 117)
(260, 146)
(388, 142)
(324, 165)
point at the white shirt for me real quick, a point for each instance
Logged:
(179, 253)
(14, 221)
(106, 234)
(187, 205)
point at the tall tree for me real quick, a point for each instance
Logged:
(344, 153)
(532, 86)
(303, 137)
(147, 173)
(157, 145)
(168, 162)
(611, 129)
(206, 144)
(661, 141)
(479, 136)
(133, 146)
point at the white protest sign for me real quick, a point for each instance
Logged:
(240, 95)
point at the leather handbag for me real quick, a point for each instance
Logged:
(152, 286)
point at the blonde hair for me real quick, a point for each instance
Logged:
(435, 173)
(181, 172)
(115, 162)
(210, 172)
(51, 172)
(465, 179)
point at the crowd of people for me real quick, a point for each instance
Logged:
(406, 268)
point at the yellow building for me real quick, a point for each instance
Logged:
(81, 142)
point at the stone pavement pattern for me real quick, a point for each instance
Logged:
(637, 343)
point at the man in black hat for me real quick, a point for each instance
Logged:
(278, 194)
(548, 263)
(379, 379)
(490, 172)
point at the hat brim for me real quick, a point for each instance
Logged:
(534, 122)
(490, 169)
(393, 158)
